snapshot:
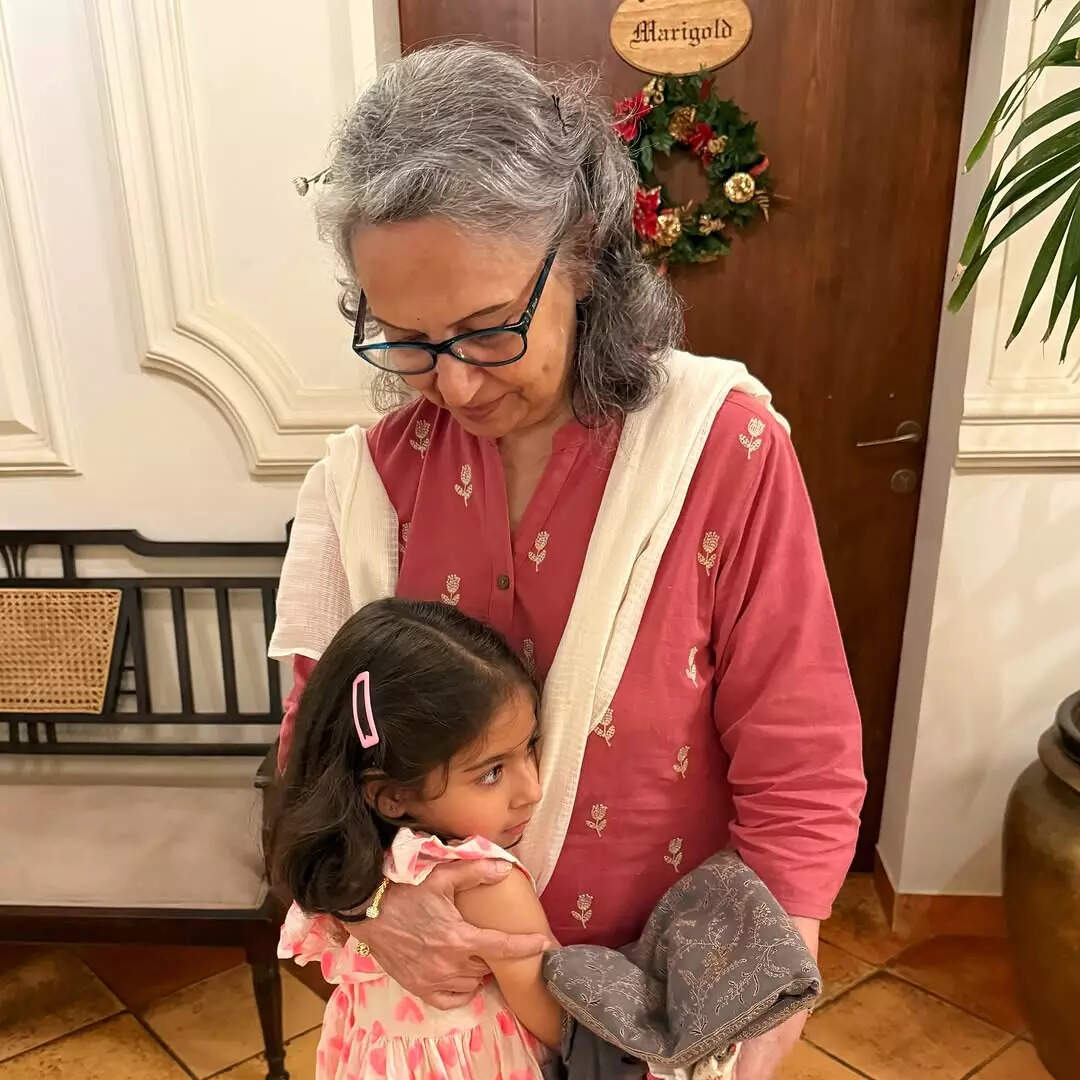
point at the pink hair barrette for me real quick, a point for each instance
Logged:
(371, 736)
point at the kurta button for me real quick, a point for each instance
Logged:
(503, 581)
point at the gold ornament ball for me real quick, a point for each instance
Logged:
(717, 145)
(668, 228)
(681, 124)
(740, 188)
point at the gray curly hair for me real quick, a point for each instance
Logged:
(488, 140)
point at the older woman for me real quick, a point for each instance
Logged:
(632, 518)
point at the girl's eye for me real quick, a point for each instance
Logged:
(492, 776)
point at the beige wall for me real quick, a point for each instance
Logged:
(992, 643)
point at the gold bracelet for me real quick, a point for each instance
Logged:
(373, 908)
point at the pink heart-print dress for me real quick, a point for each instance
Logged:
(374, 1028)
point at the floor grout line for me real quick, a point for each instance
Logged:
(262, 1053)
(993, 1057)
(188, 986)
(839, 1061)
(164, 1045)
(948, 1001)
(89, 1026)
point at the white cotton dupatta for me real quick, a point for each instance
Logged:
(656, 459)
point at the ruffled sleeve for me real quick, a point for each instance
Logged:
(414, 855)
(320, 939)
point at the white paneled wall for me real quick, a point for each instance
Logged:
(34, 430)
(149, 227)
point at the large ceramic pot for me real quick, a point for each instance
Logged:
(1042, 891)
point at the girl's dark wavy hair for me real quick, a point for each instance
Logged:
(436, 678)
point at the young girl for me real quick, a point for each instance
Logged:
(416, 745)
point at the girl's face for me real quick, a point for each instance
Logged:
(426, 280)
(493, 785)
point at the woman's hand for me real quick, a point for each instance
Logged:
(761, 1057)
(422, 942)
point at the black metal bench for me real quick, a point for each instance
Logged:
(98, 812)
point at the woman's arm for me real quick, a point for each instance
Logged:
(423, 943)
(761, 1057)
(513, 907)
(784, 705)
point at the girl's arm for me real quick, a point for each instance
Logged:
(511, 905)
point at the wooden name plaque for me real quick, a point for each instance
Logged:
(679, 37)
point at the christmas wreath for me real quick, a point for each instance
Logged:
(682, 111)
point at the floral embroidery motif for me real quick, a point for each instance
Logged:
(528, 655)
(691, 666)
(674, 852)
(464, 489)
(598, 819)
(752, 441)
(605, 727)
(422, 443)
(405, 527)
(539, 551)
(584, 909)
(453, 587)
(682, 760)
(707, 554)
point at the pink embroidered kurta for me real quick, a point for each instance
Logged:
(374, 1028)
(734, 724)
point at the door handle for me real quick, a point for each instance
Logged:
(909, 431)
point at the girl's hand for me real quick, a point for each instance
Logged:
(423, 943)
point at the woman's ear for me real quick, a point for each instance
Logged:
(385, 799)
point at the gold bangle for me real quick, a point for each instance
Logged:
(373, 908)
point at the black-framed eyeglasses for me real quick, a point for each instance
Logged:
(494, 347)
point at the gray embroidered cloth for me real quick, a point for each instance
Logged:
(718, 963)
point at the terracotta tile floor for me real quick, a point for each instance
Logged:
(942, 1009)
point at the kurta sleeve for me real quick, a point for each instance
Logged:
(784, 705)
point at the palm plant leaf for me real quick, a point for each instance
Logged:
(1043, 261)
(1068, 273)
(1031, 210)
(1041, 176)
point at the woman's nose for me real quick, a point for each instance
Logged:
(457, 382)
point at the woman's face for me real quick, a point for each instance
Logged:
(426, 280)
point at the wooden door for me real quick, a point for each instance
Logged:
(835, 304)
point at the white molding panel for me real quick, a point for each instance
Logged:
(212, 215)
(1021, 407)
(33, 423)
